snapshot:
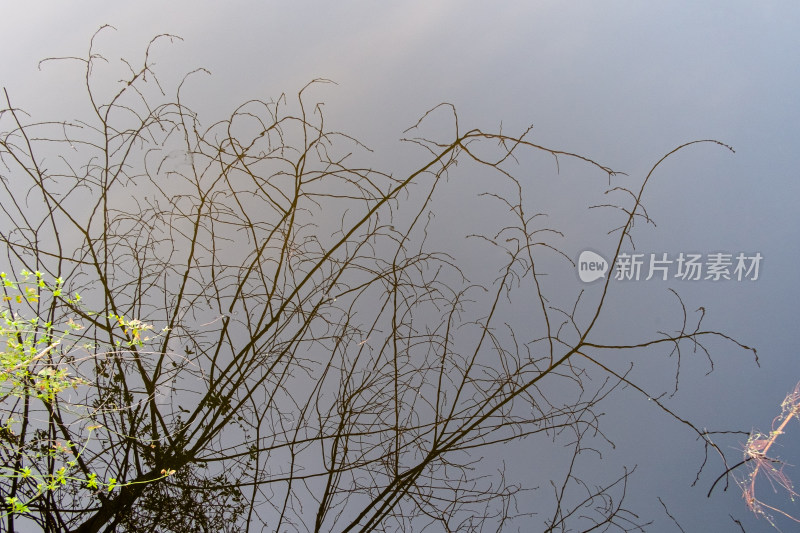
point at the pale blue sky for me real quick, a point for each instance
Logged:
(622, 82)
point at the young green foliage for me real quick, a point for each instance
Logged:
(34, 363)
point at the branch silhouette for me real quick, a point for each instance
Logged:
(326, 364)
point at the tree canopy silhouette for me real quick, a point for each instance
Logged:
(312, 361)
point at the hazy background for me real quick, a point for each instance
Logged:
(621, 82)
